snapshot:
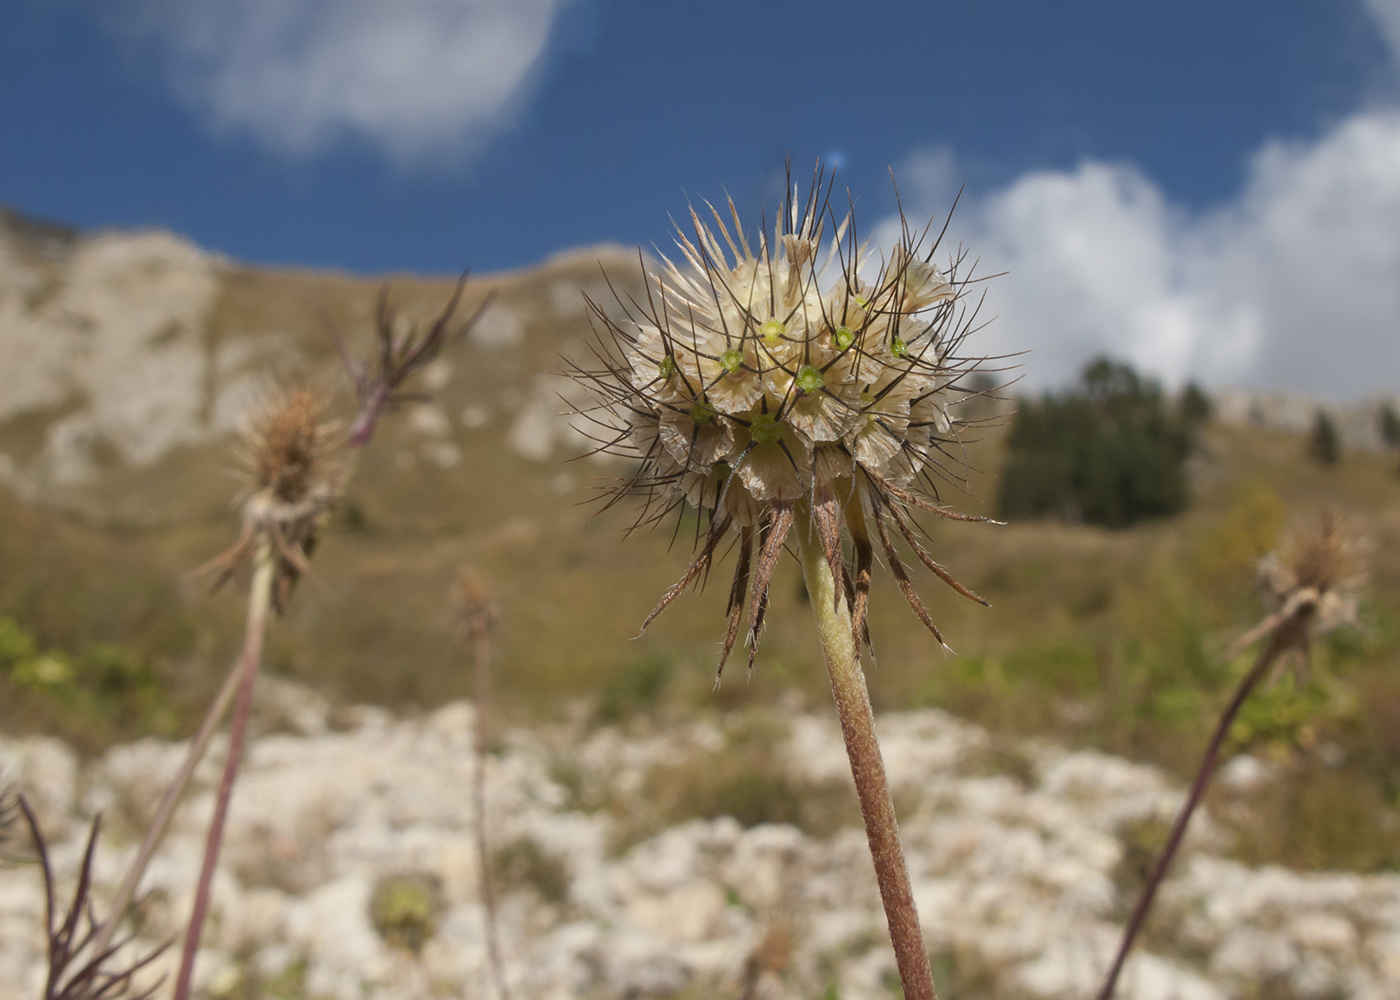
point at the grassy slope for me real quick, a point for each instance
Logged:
(1109, 639)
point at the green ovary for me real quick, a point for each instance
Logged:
(898, 349)
(844, 337)
(765, 429)
(667, 368)
(773, 331)
(732, 360)
(701, 413)
(810, 379)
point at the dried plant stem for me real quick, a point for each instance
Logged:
(867, 765)
(1283, 635)
(481, 656)
(259, 600)
(161, 820)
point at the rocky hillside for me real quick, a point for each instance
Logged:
(351, 874)
(129, 357)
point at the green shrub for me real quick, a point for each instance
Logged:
(636, 687)
(1109, 452)
(103, 682)
(1390, 426)
(1324, 443)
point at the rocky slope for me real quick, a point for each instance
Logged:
(1020, 870)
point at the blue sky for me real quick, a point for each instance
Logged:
(1209, 190)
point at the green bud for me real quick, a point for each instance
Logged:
(701, 412)
(667, 368)
(844, 337)
(765, 429)
(773, 331)
(898, 349)
(732, 359)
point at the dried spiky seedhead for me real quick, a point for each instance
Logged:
(1309, 583)
(476, 612)
(291, 478)
(286, 445)
(803, 374)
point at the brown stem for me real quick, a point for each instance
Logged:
(259, 597)
(161, 820)
(1286, 633)
(867, 765)
(481, 656)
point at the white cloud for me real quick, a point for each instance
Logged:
(1295, 283)
(422, 79)
(1387, 16)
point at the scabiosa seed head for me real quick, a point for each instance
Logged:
(788, 371)
(1310, 585)
(291, 476)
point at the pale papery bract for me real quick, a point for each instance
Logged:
(799, 368)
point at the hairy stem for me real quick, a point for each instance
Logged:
(161, 820)
(259, 598)
(867, 766)
(1278, 641)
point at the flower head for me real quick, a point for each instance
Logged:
(797, 370)
(1309, 584)
(290, 480)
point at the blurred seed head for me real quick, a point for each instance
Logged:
(1317, 570)
(476, 612)
(286, 442)
(1310, 584)
(803, 369)
(292, 472)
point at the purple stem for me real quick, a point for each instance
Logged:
(1286, 632)
(249, 661)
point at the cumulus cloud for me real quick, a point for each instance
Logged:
(1295, 283)
(418, 78)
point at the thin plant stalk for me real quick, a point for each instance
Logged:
(867, 765)
(1285, 634)
(480, 631)
(166, 809)
(259, 601)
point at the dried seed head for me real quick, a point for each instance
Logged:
(476, 612)
(1309, 583)
(756, 378)
(286, 442)
(291, 478)
(1319, 566)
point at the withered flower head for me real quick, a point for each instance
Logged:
(1309, 583)
(804, 376)
(476, 612)
(290, 479)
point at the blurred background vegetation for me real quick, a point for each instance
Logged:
(1125, 572)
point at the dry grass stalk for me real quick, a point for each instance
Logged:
(69, 976)
(260, 594)
(398, 355)
(1309, 584)
(781, 402)
(10, 817)
(477, 616)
